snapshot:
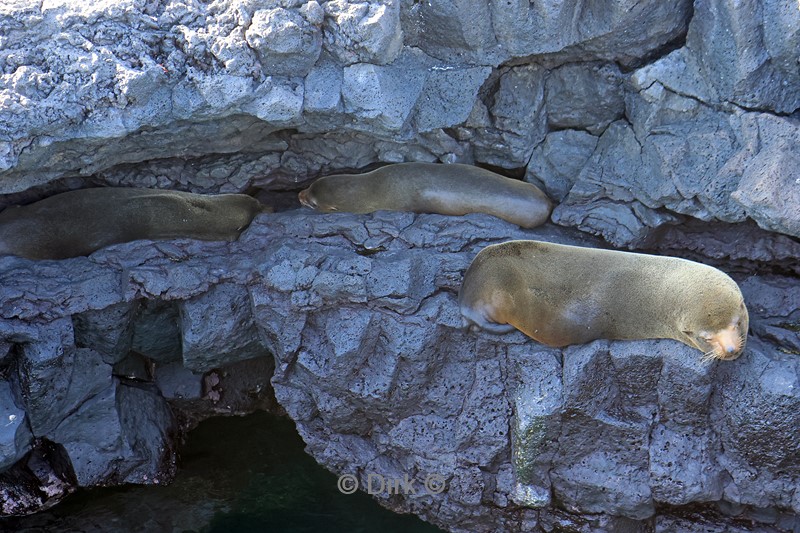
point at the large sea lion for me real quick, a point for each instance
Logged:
(79, 222)
(561, 295)
(430, 188)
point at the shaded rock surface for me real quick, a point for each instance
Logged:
(268, 482)
(664, 127)
(373, 365)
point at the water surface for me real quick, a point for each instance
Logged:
(243, 474)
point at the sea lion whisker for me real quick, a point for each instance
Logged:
(708, 357)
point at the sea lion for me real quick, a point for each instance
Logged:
(561, 295)
(80, 222)
(447, 189)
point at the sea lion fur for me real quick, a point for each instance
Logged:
(561, 295)
(447, 189)
(80, 222)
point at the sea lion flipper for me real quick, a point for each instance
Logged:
(474, 321)
(497, 329)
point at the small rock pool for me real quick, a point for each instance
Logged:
(237, 474)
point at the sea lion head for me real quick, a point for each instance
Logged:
(239, 211)
(323, 195)
(717, 325)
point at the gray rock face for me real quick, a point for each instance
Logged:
(494, 33)
(241, 88)
(15, 434)
(669, 127)
(287, 42)
(769, 190)
(363, 32)
(747, 51)
(71, 398)
(584, 97)
(698, 166)
(556, 163)
(746, 246)
(514, 122)
(372, 363)
(202, 334)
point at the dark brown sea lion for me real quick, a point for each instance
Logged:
(80, 222)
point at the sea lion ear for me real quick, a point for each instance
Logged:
(707, 336)
(694, 338)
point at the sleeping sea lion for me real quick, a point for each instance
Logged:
(451, 189)
(80, 222)
(561, 295)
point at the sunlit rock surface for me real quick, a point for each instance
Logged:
(661, 127)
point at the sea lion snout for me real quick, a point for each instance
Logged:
(305, 200)
(308, 200)
(727, 343)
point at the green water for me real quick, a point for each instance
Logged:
(236, 475)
